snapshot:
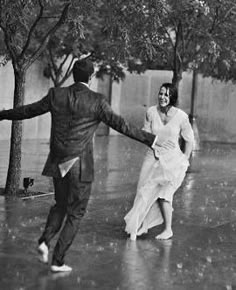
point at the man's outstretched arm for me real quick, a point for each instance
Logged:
(107, 115)
(27, 111)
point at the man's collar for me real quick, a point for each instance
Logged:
(80, 86)
(86, 84)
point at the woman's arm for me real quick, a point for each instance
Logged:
(187, 134)
(188, 148)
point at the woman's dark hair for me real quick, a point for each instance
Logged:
(173, 92)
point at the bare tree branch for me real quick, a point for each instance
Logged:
(160, 47)
(226, 15)
(220, 20)
(63, 62)
(214, 20)
(52, 76)
(11, 49)
(53, 65)
(68, 71)
(169, 37)
(46, 38)
(177, 44)
(39, 16)
(169, 12)
(182, 37)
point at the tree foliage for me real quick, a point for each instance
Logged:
(179, 35)
(219, 57)
(94, 38)
(20, 23)
(70, 42)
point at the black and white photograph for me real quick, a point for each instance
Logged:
(118, 144)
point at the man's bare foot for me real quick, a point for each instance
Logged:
(165, 235)
(133, 237)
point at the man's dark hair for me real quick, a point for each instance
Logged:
(82, 70)
(173, 93)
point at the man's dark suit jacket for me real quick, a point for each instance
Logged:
(76, 112)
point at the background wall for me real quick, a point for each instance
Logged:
(215, 102)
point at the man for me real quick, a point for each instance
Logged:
(76, 112)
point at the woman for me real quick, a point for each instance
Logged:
(163, 171)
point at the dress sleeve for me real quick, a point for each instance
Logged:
(148, 122)
(186, 130)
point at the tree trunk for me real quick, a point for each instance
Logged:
(193, 95)
(14, 167)
(192, 115)
(177, 77)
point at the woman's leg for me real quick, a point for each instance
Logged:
(131, 225)
(133, 237)
(166, 208)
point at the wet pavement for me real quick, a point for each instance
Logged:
(201, 254)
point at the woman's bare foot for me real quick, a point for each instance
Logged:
(165, 235)
(133, 237)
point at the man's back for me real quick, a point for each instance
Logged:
(75, 117)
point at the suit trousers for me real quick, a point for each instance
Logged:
(71, 196)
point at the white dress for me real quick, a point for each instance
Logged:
(159, 177)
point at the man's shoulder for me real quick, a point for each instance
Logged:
(96, 94)
(99, 97)
(79, 91)
(58, 90)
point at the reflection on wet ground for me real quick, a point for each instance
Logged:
(201, 254)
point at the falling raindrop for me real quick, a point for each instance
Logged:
(100, 249)
(78, 280)
(93, 283)
(179, 265)
(200, 274)
(209, 259)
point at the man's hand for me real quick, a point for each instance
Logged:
(168, 144)
(1, 117)
(159, 146)
(160, 142)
